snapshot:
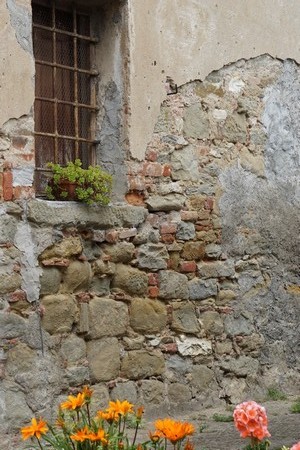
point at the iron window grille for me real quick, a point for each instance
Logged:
(65, 87)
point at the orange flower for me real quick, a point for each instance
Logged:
(121, 408)
(99, 436)
(109, 416)
(189, 445)
(37, 428)
(296, 446)
(73, 402)
(87, 392)
(251, 420)
(155, 437)
(174, 431)
(139, 412)
(81, 435)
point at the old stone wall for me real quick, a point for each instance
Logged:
(188, 294)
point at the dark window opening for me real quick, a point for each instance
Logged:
(65, 87)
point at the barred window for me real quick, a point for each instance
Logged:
(65, 86)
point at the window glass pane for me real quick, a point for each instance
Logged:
(44, 81)
(43, 45)
(64, 50)
(64, 85)
(65, 120)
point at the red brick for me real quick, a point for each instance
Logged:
(190, 216)
(167, 170)
(209, 203)
(153, 291)
(170, 348)
(7, 185)
(61, 262)
(152, 169)
(167, 238)
(188, 266)
(151, 155)
(137, 183)
(168, 228)
(152, 279)
(17, 296)
(111, 236)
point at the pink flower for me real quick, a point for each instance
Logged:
(296, 446)
(251, 420)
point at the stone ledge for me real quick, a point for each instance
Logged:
(72, 213)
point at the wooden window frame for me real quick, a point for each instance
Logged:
(75, 139)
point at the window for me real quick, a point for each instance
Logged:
(65, 86)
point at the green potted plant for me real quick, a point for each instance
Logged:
(72, 182)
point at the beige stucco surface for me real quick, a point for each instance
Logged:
(188, 39)
(16, 70)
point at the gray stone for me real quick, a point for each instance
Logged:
(170, 188)
(101, 268)
(173, 285)
(213, 251)
(202, 289)
(193, 251)
(66, 213)
(216, 269)
(73, 349)
(101, 286)
(121, 252)
(107, 318)
(104, 359)
(146, 234)
(188, 346)
(19, 359)
(11, 325)
(148, 316)
(184, 318)
(125, 391)
(153, 392)
(185, 166)
(50, 281)
(196, 123)
(212, 323)
(241, 367)
(77, 277)
(131, 280)
(235, 128)
(14, 411)
(133, 343)
(59, 313)
(139, 364)
(201, 377)
(77, 375)
(170, 202)
(100, 398)
(8, 227)
(152, 256)
(185, 231)
(238, 325)
(179, 395)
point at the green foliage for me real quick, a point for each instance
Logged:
(275, 394)
(263, 445)
(223, 417)
(93, 185)
(295, 408)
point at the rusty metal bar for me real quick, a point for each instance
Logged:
(62, 136)
(64, 102)
(67, 33)
(92, 73)
(54, 85)
(75, 50)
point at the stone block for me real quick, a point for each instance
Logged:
(107, 318)
(152, 256)
(216, 269)
(202, 289)
(73, 349)
(153, 392)
(188, 346)
(184, 318)
(185, 164)
(148, 316)
(173, 285)
(235, 128)
(201, 377)
(68, 247)
(100, 398)
(20, 359)
(131, 280)
(60, 313)
(50, 281)
(238, 325)
(77, 277)
(193, 251)
(104, 359)
(125, 391)
(139, 364)
(185, 231)
(241, 367)
(10, 282)
(179, 395)
(77, 375)
(122, 252)
(11, 325)
(169, 202)
(8, 227)
(14, 407)
(196, 123)
(212, 323)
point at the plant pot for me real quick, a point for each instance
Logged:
(64, 190)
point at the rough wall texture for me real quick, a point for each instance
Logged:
(187, 296)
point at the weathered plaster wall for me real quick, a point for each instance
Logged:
(187, 39)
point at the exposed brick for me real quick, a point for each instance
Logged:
(151, 155)
(17, 296)
(111, 236)
(61, 262)
(137, 183)
(209, 203)
(168, 228)
(7, 185)
(190, 216)
(152, 169)
(167, 170)
(135, 198)
(167, 238)
(188, 266)
(169, 348)
(153, 291)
